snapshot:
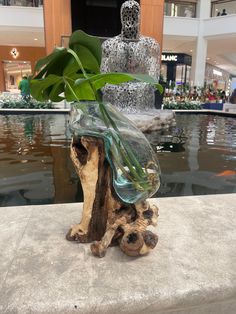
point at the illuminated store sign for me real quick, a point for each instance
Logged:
(217, 72)
(171, 58)
(14, 52)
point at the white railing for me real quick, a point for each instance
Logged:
(220, 25)
(189, 27)
(22, 3)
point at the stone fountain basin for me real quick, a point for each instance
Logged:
(153, 120)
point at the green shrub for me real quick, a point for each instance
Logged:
(182, 106)
(21, 104)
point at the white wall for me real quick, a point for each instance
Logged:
(181, 26)
(220, 25)
(216, 26)
(21, 16)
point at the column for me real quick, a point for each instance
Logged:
(2, 78)
(57, 22)
(152, 17)
(200, 53)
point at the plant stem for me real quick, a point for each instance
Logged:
(135, 169)
(78, 61)
(71, 89)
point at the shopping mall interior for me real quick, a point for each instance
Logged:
(127, 205)
(198, 42)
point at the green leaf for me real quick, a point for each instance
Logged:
(40, 89)
(52, 64)
(71, 68)
(64, 70)
(87, 58)
(92, 43)
(88, 49)
(100, 80)
(148, 79)
(83, 91)
(57, 89)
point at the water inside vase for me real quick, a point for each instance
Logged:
(135, 168)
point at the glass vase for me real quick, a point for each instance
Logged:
(135, 168)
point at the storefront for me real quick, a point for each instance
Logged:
(216, 78)
(176, 67)
(13, 72)
(97, 17)
(15, 62)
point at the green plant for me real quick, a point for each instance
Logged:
(74, 74)
(32, 104)
(182, 106)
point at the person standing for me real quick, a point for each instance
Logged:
(6, 2)
(232, 98)
(24, 88)
(223, 12)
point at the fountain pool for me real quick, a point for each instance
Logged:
(197, 157)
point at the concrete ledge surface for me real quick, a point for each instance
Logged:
(206, 111)
(191, 271)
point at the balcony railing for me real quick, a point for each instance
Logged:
(221, 8)
(22, 3)
(177, 8)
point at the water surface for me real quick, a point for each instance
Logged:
(197, 157)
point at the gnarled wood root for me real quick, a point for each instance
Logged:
(105, 219)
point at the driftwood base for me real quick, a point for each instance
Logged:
(105, 219)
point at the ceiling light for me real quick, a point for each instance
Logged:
(191, 50)
(35, 38)
(208, 58)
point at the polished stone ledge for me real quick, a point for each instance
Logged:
(60, 109)
(191, 271)
(34, 111)
(206, 111)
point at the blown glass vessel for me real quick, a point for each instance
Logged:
(135, 168)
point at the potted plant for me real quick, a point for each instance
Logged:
(117, 167)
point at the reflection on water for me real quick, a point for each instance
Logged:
(208, 163)
(198, 157)
(35, 167)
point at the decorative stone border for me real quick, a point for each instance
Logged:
(192, 270)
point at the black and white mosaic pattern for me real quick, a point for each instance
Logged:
(133, 53)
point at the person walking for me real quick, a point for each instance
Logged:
(24, 88)
(223, 12)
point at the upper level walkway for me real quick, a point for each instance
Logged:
(189, 27)
(22, 3)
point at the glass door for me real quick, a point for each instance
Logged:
(13, 72)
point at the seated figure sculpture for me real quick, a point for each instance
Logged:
(130, 52)
(133, 53)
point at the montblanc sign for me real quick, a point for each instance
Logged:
(170, 58)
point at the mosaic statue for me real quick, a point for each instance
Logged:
(133, 53)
